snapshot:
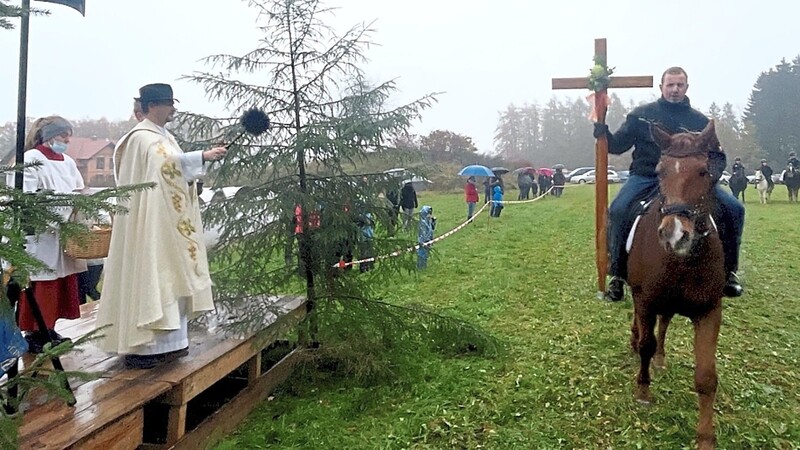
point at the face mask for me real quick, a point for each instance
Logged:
(58, 147)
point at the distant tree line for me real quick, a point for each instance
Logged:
(559, 131)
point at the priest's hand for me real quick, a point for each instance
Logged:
(215, 154)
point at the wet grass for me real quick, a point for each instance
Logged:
(566, 378)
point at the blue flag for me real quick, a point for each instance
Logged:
(77, 5)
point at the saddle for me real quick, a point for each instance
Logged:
(640, 206)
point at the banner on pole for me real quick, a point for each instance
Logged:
(77, 5)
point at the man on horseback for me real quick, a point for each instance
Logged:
(673, 112)
(793, 161)
(738, 167)
(766, 172)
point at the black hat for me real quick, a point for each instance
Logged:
(156, 92)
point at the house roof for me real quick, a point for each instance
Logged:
(81, 148)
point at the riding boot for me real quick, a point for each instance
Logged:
(616, 290)
(733, 288)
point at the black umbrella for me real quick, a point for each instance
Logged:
(500, 170)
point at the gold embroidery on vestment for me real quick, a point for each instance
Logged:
(179, 196)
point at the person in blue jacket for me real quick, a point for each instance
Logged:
(427, 224)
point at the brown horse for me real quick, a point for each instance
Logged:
(676, 267)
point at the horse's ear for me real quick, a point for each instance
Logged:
(708, 137)
(661, 136)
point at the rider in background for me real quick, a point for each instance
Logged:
(737, 166)
(766, 172)
(793, 161)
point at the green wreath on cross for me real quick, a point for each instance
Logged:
(600, 75)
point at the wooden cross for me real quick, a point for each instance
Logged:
(601, 152)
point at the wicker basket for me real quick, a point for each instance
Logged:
(93, 246)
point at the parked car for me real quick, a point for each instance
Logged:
(725, 177)
(624, 175)
(576, 172)
(589, 177)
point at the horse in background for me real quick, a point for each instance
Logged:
(676, 267)
(762, 186)
(738, 184)
(791, 178)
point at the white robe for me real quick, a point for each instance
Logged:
(156, 273)
(61, 177)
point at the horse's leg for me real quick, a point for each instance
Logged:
(635, 335)
(660, 357)
(706, 333)
(647, 348)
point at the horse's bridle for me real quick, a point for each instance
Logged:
(691, 212)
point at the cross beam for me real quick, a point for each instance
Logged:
(601, 152)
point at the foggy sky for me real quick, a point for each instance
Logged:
(482, 54)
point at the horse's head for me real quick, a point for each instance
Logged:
(686, 184)
(791, 172)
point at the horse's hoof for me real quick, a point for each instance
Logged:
(659, 362)
(643, 402)
(643, 395)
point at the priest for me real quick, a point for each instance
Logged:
(156, 275)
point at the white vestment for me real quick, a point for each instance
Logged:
(156, 273)
(61, 177)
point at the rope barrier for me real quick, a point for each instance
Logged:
(343, 264)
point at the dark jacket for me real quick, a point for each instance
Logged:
(635, 132)
(408, 197)
(766, 171)
(737, 166)
(392, 197)
(793, 161)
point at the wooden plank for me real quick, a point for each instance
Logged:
(570, 83)
(254, 368)
(227, 418)
(615, 82)
(124, 434)
(204, 368)
(107, 406)
(100, 402)
(176, 423)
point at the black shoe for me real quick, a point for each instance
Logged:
(150, 361)
(36, 341)
(616, 290)
(732, 286)
(56, 338)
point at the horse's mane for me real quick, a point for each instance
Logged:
(681, 145)
(685, 144)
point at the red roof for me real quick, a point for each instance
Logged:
(81, 148)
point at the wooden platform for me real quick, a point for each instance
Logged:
(186, 404)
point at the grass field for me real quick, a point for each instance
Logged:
(566, 378)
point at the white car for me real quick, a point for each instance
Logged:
(589, 177)
(724, 178)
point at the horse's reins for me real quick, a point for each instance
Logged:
(689, 212)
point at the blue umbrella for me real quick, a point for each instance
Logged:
(476, 170)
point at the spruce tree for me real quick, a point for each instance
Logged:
(306, 205)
